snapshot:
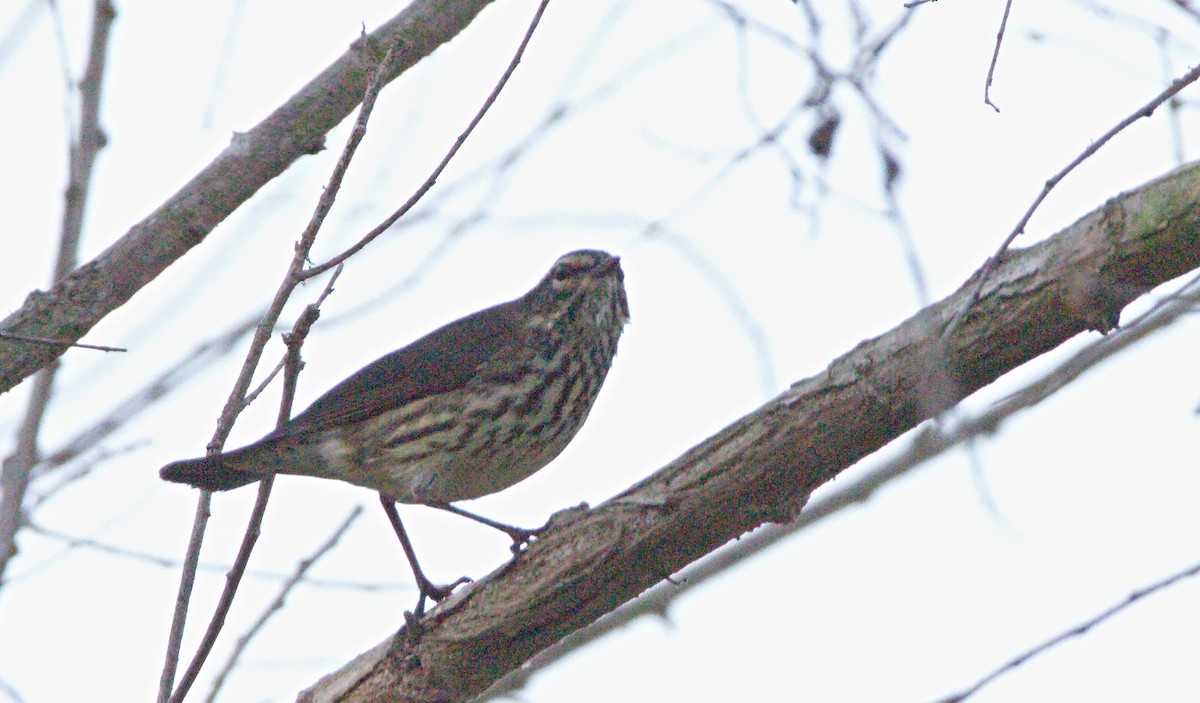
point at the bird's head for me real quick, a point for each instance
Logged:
(585, 286)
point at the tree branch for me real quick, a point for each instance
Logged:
(763, 467)
(81, 299)
(16, 470)
(931, 440)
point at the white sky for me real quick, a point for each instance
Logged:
(907, 598)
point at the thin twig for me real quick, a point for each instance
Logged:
(987, 86)
(866, 59)
(437, 171)
(18, 466)
(44, 489)
(1144, 111)
(277, 603)
(187, 579)
(236, 402)
(296, 275)
(1174, 116)
(265, 383)
(59, 342)
(76, 542)
(16, 469)
(295, 340)
(150, 393)
(232, 580)
(1077, 631)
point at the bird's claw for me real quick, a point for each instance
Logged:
(435, 593)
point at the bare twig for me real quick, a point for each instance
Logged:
(295, 340)
(232, 580)
(187, 579)
(266, 382)
(987, 86)
(1077, 631)
(234, 405)
(1174, 118)
(59, 342)
(437, 171)
(17, 468)
(91, 138)
(76, 542)
(46, 485)
(1186, 6)
(866, 58)
(1144, 111)
(296, 274)
(73, 305)
(277, 603)
(151, 391)
(21, 27)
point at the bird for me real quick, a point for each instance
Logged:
(468, 410)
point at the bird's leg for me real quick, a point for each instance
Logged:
(428, 588)
(519, 535)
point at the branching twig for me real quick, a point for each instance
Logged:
(237, 401)
(232, 580)
(296, 274)
(1144, 111)
(295, 340)
(277, 604)
(156, 388)
(17, 468)
(437, 171)
(266, 382)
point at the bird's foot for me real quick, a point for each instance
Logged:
(434, 592)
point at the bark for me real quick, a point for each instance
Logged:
(763, 467)
(82, 298)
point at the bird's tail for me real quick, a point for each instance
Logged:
(212, 473)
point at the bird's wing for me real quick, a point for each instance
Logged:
(443, 360)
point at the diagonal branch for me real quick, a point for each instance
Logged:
(437, 170)
(238, 400)
(1077, 631)
(82, 298)
(929, 441)
(16, 470)
(763, 467)
(277, 603)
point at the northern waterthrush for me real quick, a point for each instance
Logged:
(467, 410)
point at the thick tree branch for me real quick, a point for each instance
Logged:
(763, 467)
(931, 440)
(79, 300)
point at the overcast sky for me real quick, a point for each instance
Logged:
(748, 268)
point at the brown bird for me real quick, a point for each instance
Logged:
(465, 411)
